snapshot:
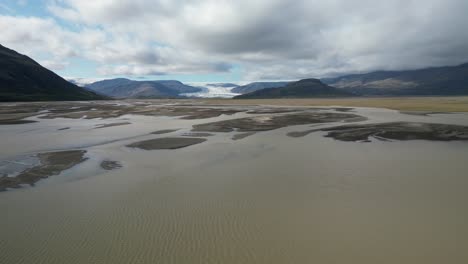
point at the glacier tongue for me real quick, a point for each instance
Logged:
(210, 91)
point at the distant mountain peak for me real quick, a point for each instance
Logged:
(305, 88)
(449, 80)
(255, 86)
(126, 88)
(309, 80)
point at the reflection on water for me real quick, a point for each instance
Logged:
(266, 198)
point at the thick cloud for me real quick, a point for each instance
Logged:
(42, 38)
(269, 39)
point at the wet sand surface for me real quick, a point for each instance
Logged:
(268, 198)
(51, 163)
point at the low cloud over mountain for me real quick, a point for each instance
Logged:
(265, 40)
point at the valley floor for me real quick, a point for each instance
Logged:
(192, 181)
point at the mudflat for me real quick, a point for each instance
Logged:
(166, 143)
(270, 122)
(51, 163)
(395, 131)
(400, 131)
(110, 164)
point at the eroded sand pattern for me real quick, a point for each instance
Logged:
(271, 122)
(394, 131)
(399, 131)
(268, 198)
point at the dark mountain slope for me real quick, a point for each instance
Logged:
(451, 80)
(23, 79)
(301, 89)
(255, 86)
(125, 88)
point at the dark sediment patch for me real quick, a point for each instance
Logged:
(110, 165)
(197, 134)
(78, 110)
(422, 113)
(15, 114)
(265, 123)
(166, 143)
(51, 163)
(15, 121)
(343, 109)
(297, 134)
(164, 131)
(273, 111)
(112, 125)
(279, 110)
(355, 119)
(202, 113)
(397, 131)
(185, 112)
(242, 135)
(75, 110)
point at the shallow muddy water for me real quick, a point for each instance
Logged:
(264, 198)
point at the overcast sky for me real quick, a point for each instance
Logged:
(238, 40)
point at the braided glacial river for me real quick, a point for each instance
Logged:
(266, 197)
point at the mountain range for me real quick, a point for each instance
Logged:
(436, 81)
(255, 86)
(23, 79)
(301, 89)
(125, 88)
(449, 80)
